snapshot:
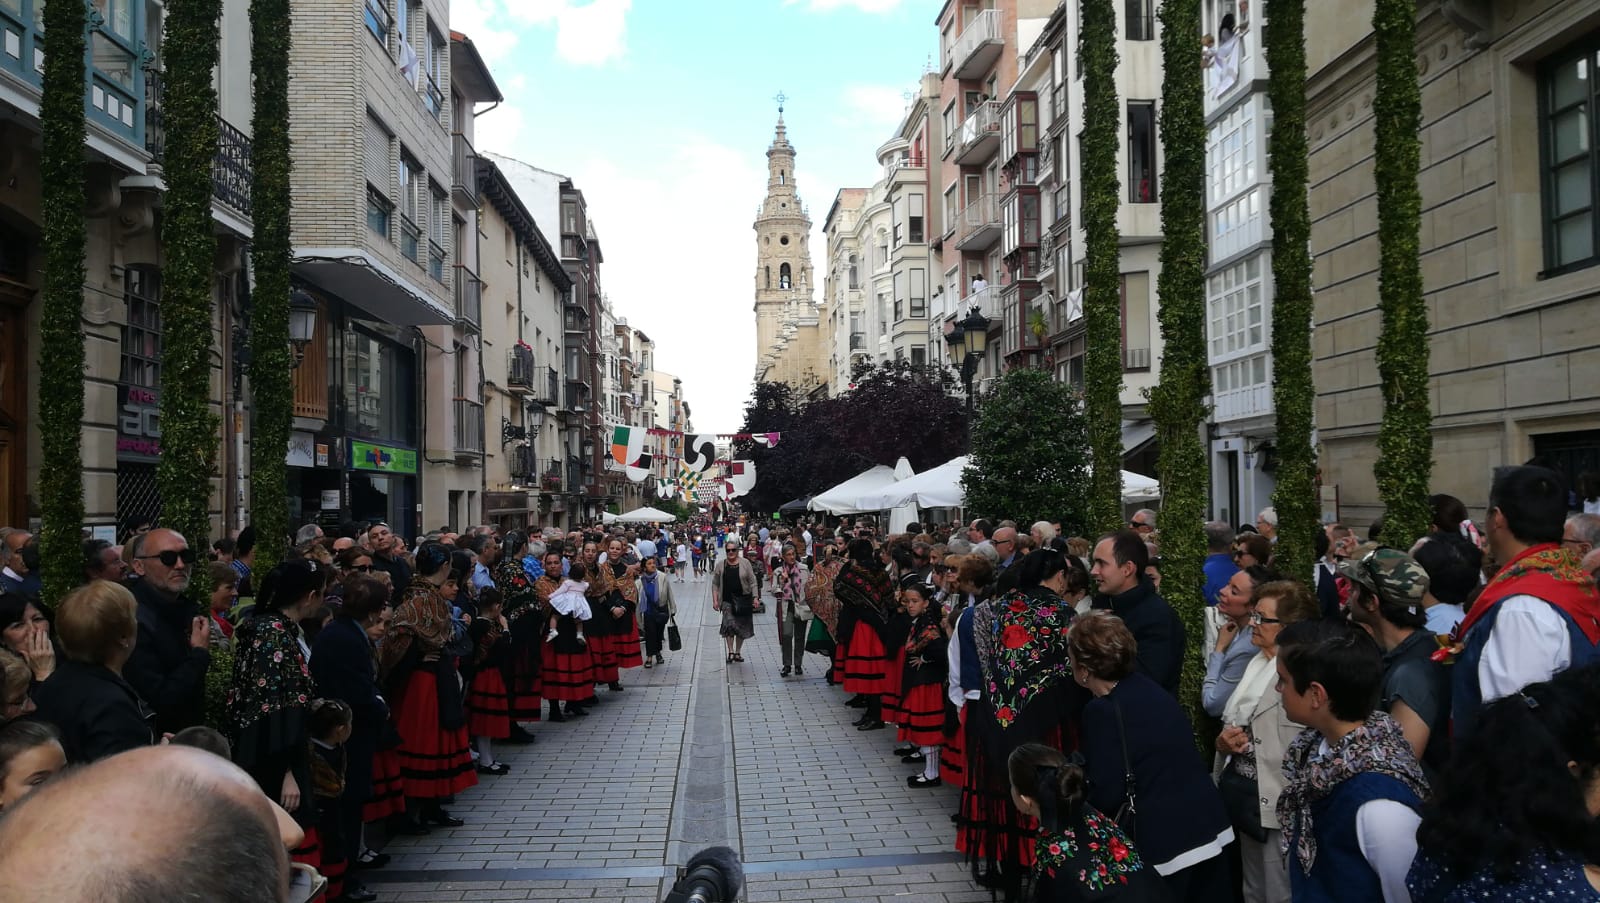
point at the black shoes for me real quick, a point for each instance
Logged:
(784, 673)
(371, 859)
(913, 758)
(918, 780)
(358, 895)
(497, 768)
(438, 816)
(857, 702)
(615, 686)
(871, 726)
(519, 735)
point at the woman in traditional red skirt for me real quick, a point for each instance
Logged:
(434, 759)
(866, 595)
(517, 576)
(600, 632)
(568, 665)
(488, 703)
(625, 596)
(925, 665)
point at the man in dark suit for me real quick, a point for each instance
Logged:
(169, 661)
(1118, 570)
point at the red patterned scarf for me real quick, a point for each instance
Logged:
(1547, 572)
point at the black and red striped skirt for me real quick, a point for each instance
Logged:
(526, 689)
(629, 653)
(568, 677)
(921, 715)
(434, 761)
(309, 851)
(866, 663)
(488, 705)
(953, 760)
(603, 651)
(388, 797)
(893, 677)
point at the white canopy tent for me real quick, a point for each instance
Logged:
(938, 487)
(903, 514)
(843, 498)
(1136, 487)
(640, 516)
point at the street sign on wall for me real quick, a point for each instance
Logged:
(370, 456)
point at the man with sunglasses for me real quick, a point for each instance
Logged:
(169, 659)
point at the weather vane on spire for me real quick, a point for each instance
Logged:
(780, 98)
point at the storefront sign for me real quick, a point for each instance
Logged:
(138, 424)
(382, 458)
(301, 450)
(330, 500)
(322, 454)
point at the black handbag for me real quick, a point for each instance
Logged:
(674, 638)
(1127, 814)
(1240, 797)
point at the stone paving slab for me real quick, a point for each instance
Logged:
(697, 753)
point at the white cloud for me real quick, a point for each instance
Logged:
(866, 6)
(874, 104)
(587, 33)
(484, 21)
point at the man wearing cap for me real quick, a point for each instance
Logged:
(1389, 589)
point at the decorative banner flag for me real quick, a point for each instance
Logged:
(640, 469)
(767, 439)
(627, 443)
(742, 477)
(699, 452)
(687, 480)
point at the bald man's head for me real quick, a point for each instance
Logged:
(164, 822)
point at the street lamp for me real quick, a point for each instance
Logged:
(969, 339)
(302, 323)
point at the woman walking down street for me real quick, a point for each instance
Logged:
(569, 663)
(653, 589)
(622, 606)
(794, 616)
(866, 597)
(1139, 748)
(524, 609)
(733, 592)
(425, 694)
(1514, 815)
(1256, 730)
(680, 561)
(1019, 643)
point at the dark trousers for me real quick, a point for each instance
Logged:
(655, 630)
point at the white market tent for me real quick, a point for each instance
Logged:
(842, 499)
(1136, 487)
(903, 515)
(938, 487)
(640, 516)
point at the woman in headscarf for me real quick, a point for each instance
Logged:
(1026, 695)
(425, 694)
(516, 576)
(866, 597)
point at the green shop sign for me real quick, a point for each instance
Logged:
(382, 458)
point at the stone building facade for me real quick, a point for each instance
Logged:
(1509, 240)
(787, 339)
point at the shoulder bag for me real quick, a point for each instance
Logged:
(674, 638)
(1127, 815)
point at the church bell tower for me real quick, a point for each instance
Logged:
(783, 253)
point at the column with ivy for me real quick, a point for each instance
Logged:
(1405, 438)
(189, 429)
(1293, 395)
(1178, 403)
(1102, 292)
(61, 359)
(271, 385)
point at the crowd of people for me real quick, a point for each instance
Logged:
(359, 685)
(1420, 720)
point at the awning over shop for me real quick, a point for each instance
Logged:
(353, 275)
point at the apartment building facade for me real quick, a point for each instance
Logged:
(124, 260)
(1509, 242)
(844, 308)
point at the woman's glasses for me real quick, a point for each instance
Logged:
(1257, 618)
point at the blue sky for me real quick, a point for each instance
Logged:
(662, 110)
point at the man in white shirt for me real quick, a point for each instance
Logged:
(1539, 616)
(805, 535)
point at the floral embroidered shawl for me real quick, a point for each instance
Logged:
(1022, 648)
(1095, 853)
(423, 618)
(513, 581)
(1378, 745)
(869, 590)
(819, 594)
(269, 670)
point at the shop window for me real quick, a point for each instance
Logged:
(1571, 164)
(141, 337)
(1142, 187)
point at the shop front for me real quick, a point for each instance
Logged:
(383, 486)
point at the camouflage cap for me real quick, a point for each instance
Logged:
(1390, 574)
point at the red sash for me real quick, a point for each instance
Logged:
(1547, 572)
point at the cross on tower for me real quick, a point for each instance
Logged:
(780, 97)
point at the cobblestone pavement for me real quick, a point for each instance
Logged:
(694, 754)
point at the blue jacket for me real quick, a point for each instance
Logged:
(1219, 569)
(1340, 874)
(1466, 695)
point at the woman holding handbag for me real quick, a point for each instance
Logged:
(733, 592)
(789, 581)
(656, 608)
(1143, 768)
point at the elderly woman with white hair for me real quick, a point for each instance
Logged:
(1043, 533)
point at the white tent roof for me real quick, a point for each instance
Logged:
(938, 487)
(844, 498)
(1136, 487)
(640, 516)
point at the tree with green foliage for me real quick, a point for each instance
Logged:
(1102, 290)
(774, 407)
(1177, 404)
(189, 430)
(1405, 438)
(1030, 455)
(1293, 394)
(61, 357)
(271, 386)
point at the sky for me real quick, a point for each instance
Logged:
(661, 112)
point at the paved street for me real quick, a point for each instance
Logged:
(691, 755)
